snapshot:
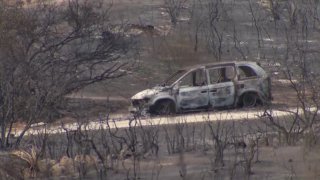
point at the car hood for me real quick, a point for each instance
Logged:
(147, 93)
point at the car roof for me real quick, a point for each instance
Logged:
(225, 63)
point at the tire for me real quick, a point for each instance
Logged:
(249, 100)
(164, 107)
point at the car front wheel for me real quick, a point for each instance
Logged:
(163, 107)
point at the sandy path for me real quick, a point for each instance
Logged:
(125, 121)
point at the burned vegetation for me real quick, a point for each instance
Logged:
(253, 82)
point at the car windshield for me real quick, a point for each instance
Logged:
(174, 77)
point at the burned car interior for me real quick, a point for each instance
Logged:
(195, 78)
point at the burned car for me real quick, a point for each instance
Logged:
(210, 86)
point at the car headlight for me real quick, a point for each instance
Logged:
(140, 102)
(146, 99)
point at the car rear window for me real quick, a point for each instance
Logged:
(246, 72)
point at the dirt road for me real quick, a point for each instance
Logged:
(125, 121)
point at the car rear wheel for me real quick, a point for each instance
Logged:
(249, 100)
(164, 107)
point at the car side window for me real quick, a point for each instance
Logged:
(221, 74)
(194, 78)
(246, 72)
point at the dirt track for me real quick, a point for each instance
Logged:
(126, 121)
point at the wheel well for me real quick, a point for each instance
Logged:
(240, 100)
(161, 100)
(165, 99)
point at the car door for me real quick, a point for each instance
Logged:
(221, 86)
(193, 90)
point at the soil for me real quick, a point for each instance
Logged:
(273, 163)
